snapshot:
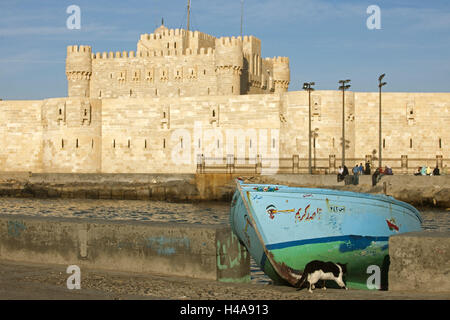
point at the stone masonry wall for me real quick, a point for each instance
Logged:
(166, 134)
(20, 136)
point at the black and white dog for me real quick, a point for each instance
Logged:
(318, 270)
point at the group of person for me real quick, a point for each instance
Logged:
(427, 171)
(357, 169)
(343, 173)
(360, 170)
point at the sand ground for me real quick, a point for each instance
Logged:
(36, 282)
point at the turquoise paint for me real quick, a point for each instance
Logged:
(224, 260)
(166, 246)
(15, 228)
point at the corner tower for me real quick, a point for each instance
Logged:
(79, 70)
(229, 62)
(281, 74)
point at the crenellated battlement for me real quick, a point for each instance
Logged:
(284, 60)
(163, 34)
(229, 41)
(152, 53)
(79, 49)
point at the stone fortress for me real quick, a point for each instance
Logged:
(177, 63)
(185, 98)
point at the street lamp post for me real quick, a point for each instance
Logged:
(308, 87)
(380, 147)
(343, 86)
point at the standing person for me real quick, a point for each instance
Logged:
(361, 169)
(375, 177)
(345, 172)
(355, 171)
(367, 169)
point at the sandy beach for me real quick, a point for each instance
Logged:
(48, 282)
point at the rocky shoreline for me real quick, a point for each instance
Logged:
(416, 190)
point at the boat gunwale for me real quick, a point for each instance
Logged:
(351, 194)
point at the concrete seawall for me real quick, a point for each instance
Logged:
(205, 252)
(431, 191)
(420, 261)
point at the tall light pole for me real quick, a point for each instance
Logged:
(380, 147)
(308, 87)
(343, 86)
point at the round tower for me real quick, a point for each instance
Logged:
(281, 74)
(78, 70)
(229, 63)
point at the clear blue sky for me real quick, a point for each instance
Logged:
(326, 40)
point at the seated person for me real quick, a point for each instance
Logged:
(436, 171)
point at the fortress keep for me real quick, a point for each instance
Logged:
(177, 63)
(188, 98)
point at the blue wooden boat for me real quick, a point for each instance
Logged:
(284, 228)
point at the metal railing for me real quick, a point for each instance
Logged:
(295, 164)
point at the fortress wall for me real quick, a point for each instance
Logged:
(421, 117)
(167, 73)
(20, 136)
(32, 133)
(326, 123)
(203, 125)
(71, 135)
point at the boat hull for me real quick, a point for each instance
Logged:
(285, 228)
